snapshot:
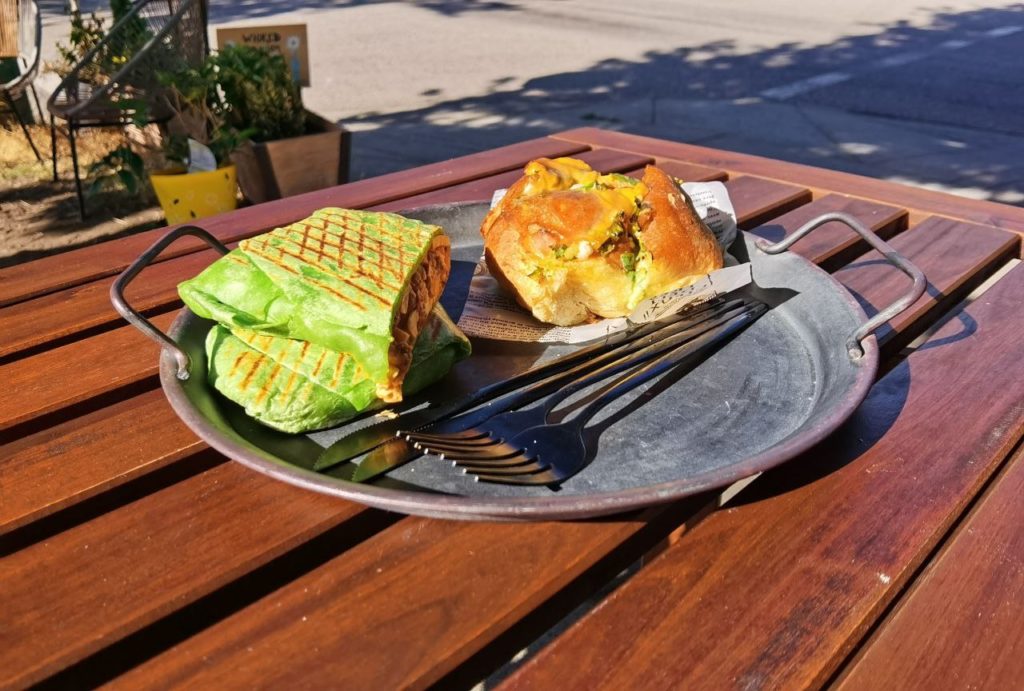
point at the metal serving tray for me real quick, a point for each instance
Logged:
(779, 387)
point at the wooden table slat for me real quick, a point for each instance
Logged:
(30, 279)
(456, 634)
(757, 200)
(405, 606)
(35, 322)
(204, 571)
(481, 189)
(58, 316)
(833, 244)
(117, 573)
(776, 589)
(78, 371)
(930, 201)
(687, 172)
(962, 618)
(84, 456)
(954, 256)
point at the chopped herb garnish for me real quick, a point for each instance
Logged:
(560, 251)
(628, 260)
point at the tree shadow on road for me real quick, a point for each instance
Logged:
(918, 130)
(256, 9)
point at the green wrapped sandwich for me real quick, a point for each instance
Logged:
(297, 386)
(328, 317)
(355, 282)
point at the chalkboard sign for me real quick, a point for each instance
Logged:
(288, 39)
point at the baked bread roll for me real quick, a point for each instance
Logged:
(572, 245)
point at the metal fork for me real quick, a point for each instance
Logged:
(542, 453)
(483, 426)
(522, 390)
(577, 363)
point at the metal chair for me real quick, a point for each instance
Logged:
(158, 35)
(30, 31)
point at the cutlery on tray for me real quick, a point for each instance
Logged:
(521, 447)
(682, 340)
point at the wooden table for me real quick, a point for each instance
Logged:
(889, 556)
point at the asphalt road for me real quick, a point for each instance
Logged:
(926, 91)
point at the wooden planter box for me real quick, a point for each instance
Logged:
(286, 167)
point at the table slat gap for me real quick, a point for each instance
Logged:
(150, 558)
(78, 372)
(43, 522)
(920, 641)
(89, 454)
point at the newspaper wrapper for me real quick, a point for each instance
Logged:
(491, 313)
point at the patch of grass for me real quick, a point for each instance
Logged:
(18, 165)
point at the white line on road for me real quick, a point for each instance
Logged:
(809, 84)
(781, 93)
(1003, 31)
(900, 59)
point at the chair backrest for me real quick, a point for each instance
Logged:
(153, 36)
(8, 28)
(29, 36)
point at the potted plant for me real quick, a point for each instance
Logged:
(290, 150)
(201, 180)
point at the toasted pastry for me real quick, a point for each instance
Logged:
(571, 244)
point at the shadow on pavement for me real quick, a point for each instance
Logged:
(938, 115)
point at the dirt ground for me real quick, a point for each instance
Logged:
(40, 217)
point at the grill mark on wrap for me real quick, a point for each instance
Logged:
(319, 364)
(381, 228)
(335, 379)
(343, 222)
(305, 244)
(252, 370)
(279, 261)
(359, 258)
(397, 238)
(267, 383)
(237, 363)
(320, 284)
(286, 392)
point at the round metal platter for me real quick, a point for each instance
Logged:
(772, 392)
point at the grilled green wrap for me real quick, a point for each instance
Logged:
(298, 386)
(355, 282)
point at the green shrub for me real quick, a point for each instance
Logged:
(260, 93)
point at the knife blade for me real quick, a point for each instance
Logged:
(384, 458)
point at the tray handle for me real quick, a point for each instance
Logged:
(133, 316)
(853, 344)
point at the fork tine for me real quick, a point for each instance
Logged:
(484, 466)
(466, 435)
(495, 453)
(530, 468)
(546, 477)
(482, 440)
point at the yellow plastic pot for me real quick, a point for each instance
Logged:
(185, 197)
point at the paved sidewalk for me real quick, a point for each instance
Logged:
(979, 165)
(925, 93)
